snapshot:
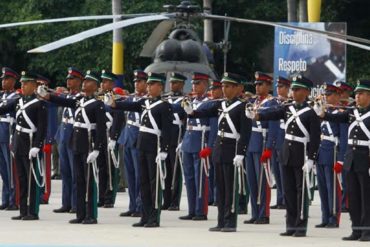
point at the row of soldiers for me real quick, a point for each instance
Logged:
(196, 135)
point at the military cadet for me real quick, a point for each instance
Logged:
(153, 144)
(87, 139)
(108, 165)
(259, 153)
(356, 160)
(63, 138)
(302, 136)
(45, 156)
(195, 139)
(30, 131)
(128, 139)
(172, 192)
(230, 148)
(282, 89)
(9, 78)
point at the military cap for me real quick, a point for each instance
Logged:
(283, 81)
(156, 77)
(215, 84)
(43, 80)
(105, 74)
(231, 78)
(199, 77)
(140, 75)
(177, 77)
(363, 85)
(299, 81)
(8, 72)
(345, 86)
(74, 73)
(333, 87)
(262, 77)
(28, 76)
(92, 75)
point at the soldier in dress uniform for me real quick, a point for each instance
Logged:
(259, 153)
(332, 148)
(108, 165)
(230, 148)
(87, 141)
(9, 78)
(302, 136)
(172, 192)
(29, 135)
(195, 140)
(153, 144)
(128, 139)
(63, 138)
(356, 159)
(282, 89)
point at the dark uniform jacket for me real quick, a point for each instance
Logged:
(162, 114)
(37, 113)
(96, 115)
(224, 151)
(6, 119)
(357, 156)
(293, 151)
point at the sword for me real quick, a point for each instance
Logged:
(109, 164)
(176, 160)
(335, 182)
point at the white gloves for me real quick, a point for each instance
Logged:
(161, 157)
(318, 108)
(238, 160)
(33, 153)
(187, 107)
(249, 113)
(111, 144)
(307, 167)
(41, 90)
(108, 99)
(92, 156)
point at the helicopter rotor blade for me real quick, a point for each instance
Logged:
(157, 36)
(75, 18)
(328, 35)
(96, 31)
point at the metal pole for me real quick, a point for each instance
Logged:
(118, 47)
(208, 27)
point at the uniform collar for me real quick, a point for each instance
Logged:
(29, 97)
(89, 97)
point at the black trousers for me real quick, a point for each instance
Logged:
(148, 172)
(106, 195)
(225, 190)
(293, 176)
(85, 208)
(358, 185)
(26, 178)
(172, 197)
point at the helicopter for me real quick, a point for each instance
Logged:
(182, 51)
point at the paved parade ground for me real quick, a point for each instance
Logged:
(54, 230)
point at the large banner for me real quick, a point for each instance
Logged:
(317, 58)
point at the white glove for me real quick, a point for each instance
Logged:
(187, 107)
(307, 167)
(318, 108)
(178, 148)
(250, 113)
(238, 160)
(41, 90)
(108, 99)
(33, 153)
(111, 144)
(92, 156)
(161, 157)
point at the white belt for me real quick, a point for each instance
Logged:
(228, 135)
(261, 130)
(358, 142)
(296, 138)
(24, 130)
(330, 138)
(84, 125)
(68, 120)
(198, 128)
(108, 124)
(6, 119)
(149, 130)
(130, 122)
